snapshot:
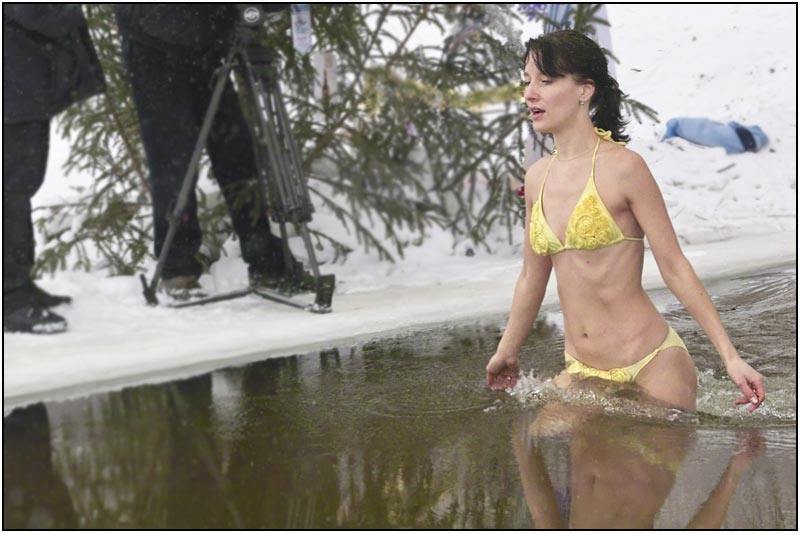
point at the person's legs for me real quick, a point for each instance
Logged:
(230, 148)
(24, 164)
(169, 130)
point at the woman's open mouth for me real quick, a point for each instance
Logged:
(536, 112)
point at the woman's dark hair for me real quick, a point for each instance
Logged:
(570, 52)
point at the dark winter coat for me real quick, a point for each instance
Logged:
(49, 61)
(181, 28)
(177, 28)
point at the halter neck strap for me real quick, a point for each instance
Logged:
(546, 173)
(594, 155)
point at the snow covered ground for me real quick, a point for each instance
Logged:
(733, 213)
(723, 62)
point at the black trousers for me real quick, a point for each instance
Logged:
(34, 494)
(25, 147)
(172, 93)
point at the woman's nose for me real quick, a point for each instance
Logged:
(530, 94)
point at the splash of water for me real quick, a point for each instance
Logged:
(612, 398)
(715, 401)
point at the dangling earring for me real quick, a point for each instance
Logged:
(580, 102)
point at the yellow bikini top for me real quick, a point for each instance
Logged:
(589, 227)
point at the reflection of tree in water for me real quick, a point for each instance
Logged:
(301, 447)
(268, 448)
(198, 496)
(388, 434)
(315, 453)
(432, 484)
(403, 468)
(113, 452)
(143, 458)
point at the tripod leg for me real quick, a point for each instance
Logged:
(276, 149)
(287, 252)
(274, 137)
(325, 285)
(297, 190)
(293, 194)
(312, 258)
(263, 148)
(188, 180)
(300, 188)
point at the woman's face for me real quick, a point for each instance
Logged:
(553, 102)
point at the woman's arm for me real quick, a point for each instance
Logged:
(647, 204)
(503, 367)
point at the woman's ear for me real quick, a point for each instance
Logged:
(587, 91)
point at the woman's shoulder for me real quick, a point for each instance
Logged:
(536, 171)
(625, 162)
(534, 176)
(628, 172)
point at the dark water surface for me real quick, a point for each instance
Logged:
(403, 433)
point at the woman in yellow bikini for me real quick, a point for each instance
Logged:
(588, 209)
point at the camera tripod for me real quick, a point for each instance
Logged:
(280, 176)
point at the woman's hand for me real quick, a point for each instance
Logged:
(750, 382)
(502, 371)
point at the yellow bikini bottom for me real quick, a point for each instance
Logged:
(626, 374)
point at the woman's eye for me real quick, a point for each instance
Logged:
(546, 82)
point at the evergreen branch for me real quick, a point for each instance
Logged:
(480, 157)
(361, 230)
(328, 137)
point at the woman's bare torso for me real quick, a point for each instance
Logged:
(609, 320)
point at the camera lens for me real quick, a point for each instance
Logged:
(251, 15)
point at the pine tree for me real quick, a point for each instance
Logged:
(416, 136)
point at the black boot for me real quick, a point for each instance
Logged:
(267, 269)
(45, 299)
(296, 281)
(300, 279)
(33, 318)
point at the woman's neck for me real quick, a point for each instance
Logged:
(574, 140)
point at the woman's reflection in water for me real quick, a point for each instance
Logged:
(622, 470)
